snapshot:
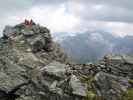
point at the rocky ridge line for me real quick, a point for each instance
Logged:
(33, 67)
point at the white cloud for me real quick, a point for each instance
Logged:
(72, 15)
(116, 28)
(57, 19)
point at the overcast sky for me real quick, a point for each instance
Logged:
(71, 15)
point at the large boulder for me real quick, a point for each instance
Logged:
(78, 88)
(120, 65)
(110, 87)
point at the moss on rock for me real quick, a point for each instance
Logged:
(128, 95)
(91, 95)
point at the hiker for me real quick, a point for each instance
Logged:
(26, 22)
(29, 23)
(32, 22)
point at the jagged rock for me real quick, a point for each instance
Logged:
(57, 79)
(21, 60)
(9, 31)
(55, 69)
(120, 65)
(78, 88)
(110, 87)
(128, 59)
(10, 75)
(34, 67)
(37, 43)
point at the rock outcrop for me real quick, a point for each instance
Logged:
(33, 67)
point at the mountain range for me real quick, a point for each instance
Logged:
(93, 45)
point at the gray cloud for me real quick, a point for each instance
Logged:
(82, 14)
(105, 10)
(49, 1)
(14, 6)
(118, 3)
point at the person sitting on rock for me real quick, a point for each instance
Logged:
(29, 23)
(26, 22)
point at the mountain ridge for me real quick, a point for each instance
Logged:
(34, 67)
(95, 44)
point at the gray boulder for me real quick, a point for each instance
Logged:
(78, 88)
(9, 31)
(110, 87)
(56, 69)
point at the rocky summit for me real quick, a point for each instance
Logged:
(33, 67)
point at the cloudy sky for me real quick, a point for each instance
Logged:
(71, 15)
